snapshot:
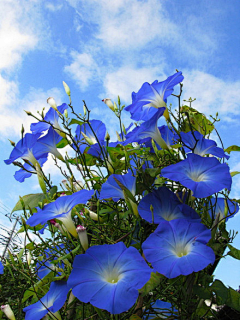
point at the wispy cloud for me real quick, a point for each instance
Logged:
(82, 69)
(212, 93)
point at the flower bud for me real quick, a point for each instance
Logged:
(109, 103)
(8, 312)
(67, 89)
(66, 113)
(12, 142)
(52, 103)
(28, 113)
(29, 258)
(84, 111)
(107, 136)
(40, 178)
(82, 234)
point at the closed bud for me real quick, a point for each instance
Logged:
(115, 106)
(82, 234)
(12, 143)
(66, 113)
(28, 113)
(84, 111)
(107, 136)
(118, 136)
(8, 312)
(29, 258)
(109, 103)
(40, 178)
(22, 131)
(52, 103)
(66, 88)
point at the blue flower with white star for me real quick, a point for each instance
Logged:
(53, 301)
(204, 176)
(179, 247)
(165, 207)
(151, 97)
(222, 207)
(109, 276)
(147, 129)
(61, 209)
(51, 117)
(201, 146)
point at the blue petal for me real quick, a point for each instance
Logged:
(142, 101)
(59, 207)
(89, 277)
(201, 146)
(166, 206)
(214, 175)
(53, 300)
(178, 248)
(1, 268)
(110, 189)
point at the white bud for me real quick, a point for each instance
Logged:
(109, 103)
(67, 89)
(8, 312)
(52, 103)
(29, 258)
(82, 234)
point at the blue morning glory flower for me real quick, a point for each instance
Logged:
(61, 209)
(147, 129)
(111, 189)
(202, 146)
(164, 309)
(178, 247)
(109, 276)
(45, 266)
(167, 135)
(53, 300)
(52, 117)
(1, 268)
(85, 136)
(223, 207)
(166, 206)
(204, 176)
(21, 175)
(47, 144)
(152, 97)
(24, 149)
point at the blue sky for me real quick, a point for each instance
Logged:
(105, 48)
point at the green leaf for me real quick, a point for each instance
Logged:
(30, 201)
(153, 172)
(63, 143)
(75, 121)
(235, 253)
(202, 292)
(232, 148)
(221, 291)
(152, 283)
(198, 121)
(135, 317)
(234, 173)
(233, 300)
(226, 295)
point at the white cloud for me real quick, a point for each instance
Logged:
(82, 69)
(127, 79)
(53, 7)
(213, 94)
(18, 31)
(133, 25)
(34, 101)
